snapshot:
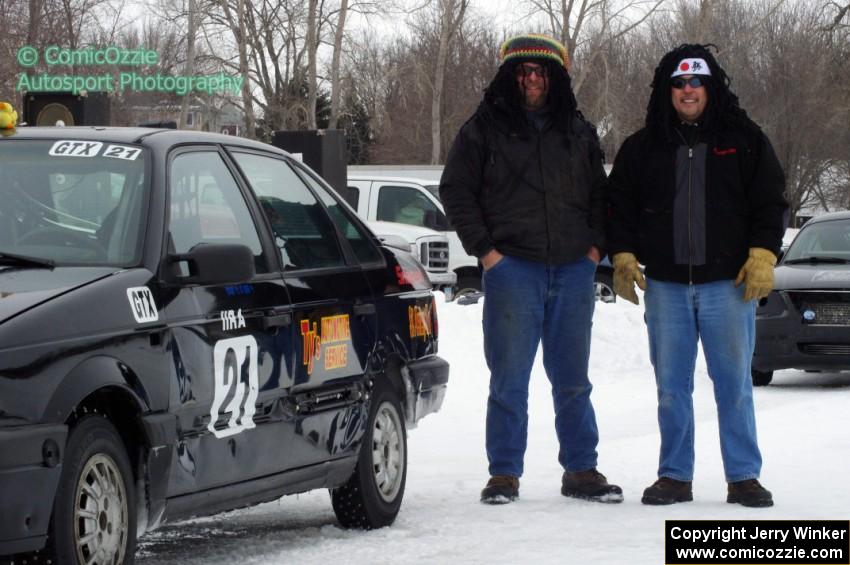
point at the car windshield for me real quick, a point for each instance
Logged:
(71, 202)
(821, 242)
(433, 189)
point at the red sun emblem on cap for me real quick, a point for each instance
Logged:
(684, 67)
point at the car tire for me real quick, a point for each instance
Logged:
(95, 509)
(762, 378)
(372, 496)
(603, 286)
(467, 285)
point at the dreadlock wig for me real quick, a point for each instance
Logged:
(504, 92)
(722, 110)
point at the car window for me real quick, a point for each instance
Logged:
(352, 196)
(305, 234)
(821, 239)
(72, 202)
(359, 239)
(206, 206)
(407, 205)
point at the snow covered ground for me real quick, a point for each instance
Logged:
(803, 421)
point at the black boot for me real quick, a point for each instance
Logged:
(500, 489)
(749, 493)
(590, 485)
(668, 491)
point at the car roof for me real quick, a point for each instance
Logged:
(843, 215)
(389, 178)
(159, 137)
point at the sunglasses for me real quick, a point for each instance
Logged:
(694, 82)
(526, 70)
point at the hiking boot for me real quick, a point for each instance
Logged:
(749, 493)
(668, 491)
(590, 485)
(500, 489)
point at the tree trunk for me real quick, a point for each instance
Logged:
(312, 47)
(337, 53)
(451, 18)
(190, 59)
(238, 28)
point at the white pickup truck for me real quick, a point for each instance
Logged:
(412, 201)
(429, 247)
(391, 195)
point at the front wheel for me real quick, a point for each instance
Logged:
(762, 378)
(372, 496)
(94, 515)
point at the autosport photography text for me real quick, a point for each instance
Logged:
(130, 80)
(757, 542)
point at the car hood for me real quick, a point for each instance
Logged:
(788, 277)
(407, 231)
(23, 288)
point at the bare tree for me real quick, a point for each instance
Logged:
(451, 13)
(586, 27)
(842, 12)
(191, 32)
(335, 63)
(312, 46)
(239, 30)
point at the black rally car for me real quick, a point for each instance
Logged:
(191, 323)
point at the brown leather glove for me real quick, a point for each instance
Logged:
(757, 274)
(626, 274)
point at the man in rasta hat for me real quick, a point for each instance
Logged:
(524, 187)
(697, 197)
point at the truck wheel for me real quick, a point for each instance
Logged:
(467, 285)
(762, 378)
(372, 496)
(94, 515)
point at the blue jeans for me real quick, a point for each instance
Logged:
(677, 315)
(525, 302)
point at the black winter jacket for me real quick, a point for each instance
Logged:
(535, 194)
(744, 204)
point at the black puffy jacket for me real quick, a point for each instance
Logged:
(744, 204)
(535, 194)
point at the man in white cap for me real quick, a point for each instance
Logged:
(697, 197)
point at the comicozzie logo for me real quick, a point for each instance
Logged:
(116, 80)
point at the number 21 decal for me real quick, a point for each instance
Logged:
(235, 363)
(122, 152)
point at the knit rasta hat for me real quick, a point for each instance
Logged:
(534, 46)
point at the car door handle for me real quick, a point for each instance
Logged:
(367, 309)
(277, 321)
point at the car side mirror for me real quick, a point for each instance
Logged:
(213, 263)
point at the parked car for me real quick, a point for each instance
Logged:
(805, 322)
(191, 323)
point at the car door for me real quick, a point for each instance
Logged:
(407, 204)
(230, 345)
(358, 195)
(327, 259)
